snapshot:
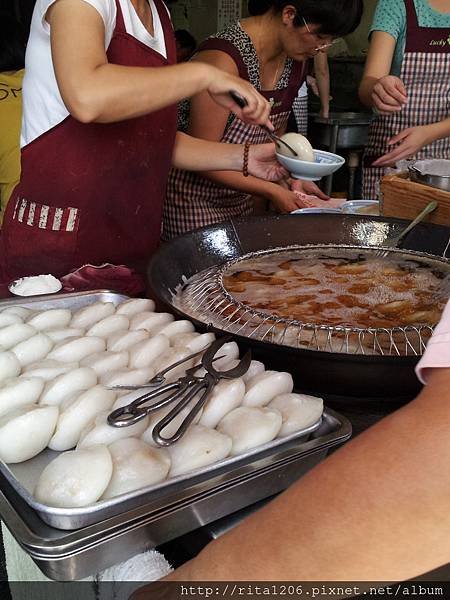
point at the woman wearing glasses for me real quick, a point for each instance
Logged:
(407, 83)
(270, 49)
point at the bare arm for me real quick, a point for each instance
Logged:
(387, 95)
(193, 154)
(379, 89)
(322, 73)
(375, 510)
(208, 121)
(95, 90)
(409, 141)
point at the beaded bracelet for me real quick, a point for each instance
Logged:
(245, 161)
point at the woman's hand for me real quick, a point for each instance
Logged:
(285, 200)
(389, 95)
(410, 141)
(283, 196)
(257, 110)
(307, 187)
(262, 163)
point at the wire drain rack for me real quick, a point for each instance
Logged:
(204, 298)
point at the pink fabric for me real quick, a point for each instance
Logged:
(118, 278)
(437, 354)
(309, 201)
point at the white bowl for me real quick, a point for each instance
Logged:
(361, 207)
(315, 210)
(325, 164)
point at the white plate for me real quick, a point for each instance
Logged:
(361, 207)
(316, 210)
(325, 164)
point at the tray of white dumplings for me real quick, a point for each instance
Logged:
(61, 356)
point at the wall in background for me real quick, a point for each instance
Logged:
(204, 17)
(358, 42)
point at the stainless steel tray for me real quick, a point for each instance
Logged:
(63, 555)
(74, 300)
(23, 477)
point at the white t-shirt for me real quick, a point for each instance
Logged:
(43, 107)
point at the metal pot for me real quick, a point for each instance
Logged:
(431, 172)
(333, 374)
(346, 130)
(341, 131)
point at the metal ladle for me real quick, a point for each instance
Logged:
(242, 103)
(393, 242)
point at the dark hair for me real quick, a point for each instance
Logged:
(185, 39)
(12, 44)
(335, 17)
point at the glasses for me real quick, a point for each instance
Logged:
(322, 46)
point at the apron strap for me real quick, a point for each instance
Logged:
(171, 46)
(120, 23)
(299, 72)
(166, 24)
(230, 49)
(430, 40)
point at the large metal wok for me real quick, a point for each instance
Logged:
(330, 373)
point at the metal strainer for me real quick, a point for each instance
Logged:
(205, 298)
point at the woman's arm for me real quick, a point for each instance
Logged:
(413, 139)
(208, 121)
(322, 73)
(386, 93)
(193, 154)
(375, 510)
(95, 90)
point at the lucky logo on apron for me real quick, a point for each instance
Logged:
(426, 74)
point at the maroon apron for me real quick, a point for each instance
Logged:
(194, 201)
(426, 74)
(93, 193)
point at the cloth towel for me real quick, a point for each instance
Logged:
(144, 567)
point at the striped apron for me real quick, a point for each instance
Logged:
(300, 110)
(426, 74)
(193, 201)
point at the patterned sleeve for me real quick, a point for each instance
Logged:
(390, 16)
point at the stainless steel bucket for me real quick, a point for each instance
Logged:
(435, 173)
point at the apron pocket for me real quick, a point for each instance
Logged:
(40, 239)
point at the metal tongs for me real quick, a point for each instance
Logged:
(185, 390)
